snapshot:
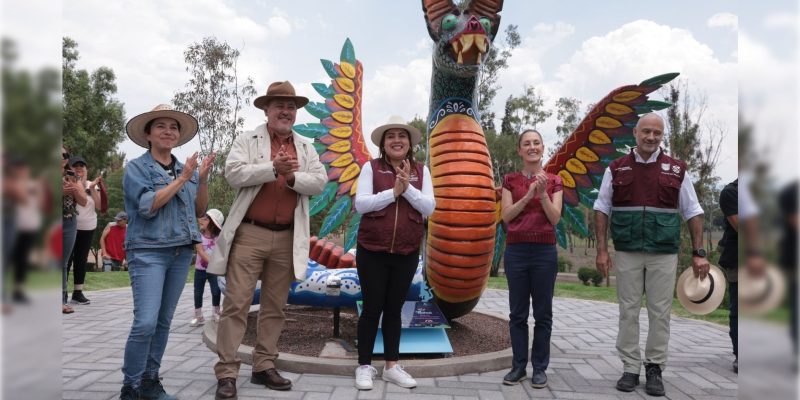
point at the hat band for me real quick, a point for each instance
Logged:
(708, 295)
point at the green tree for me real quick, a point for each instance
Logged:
(568, 119)
(505, 159)
(215, 96)
(421, 154)
(31, 111)
(525, 111)
(93, 120)
(495, 62)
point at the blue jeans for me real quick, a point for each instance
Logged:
(200, 277)
(158, 277)
(531, 270)
(69, 227)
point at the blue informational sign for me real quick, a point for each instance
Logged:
(422, 329)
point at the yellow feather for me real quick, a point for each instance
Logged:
(343, 160)
(346, 84)
(586, 155)
(599, 137)
(566, 178)
(342, 132)
(341, 146)
(350, 172)
(344, 117)
(607, 122)
(618, 109)
(575, 166)
(626, 96)
(344, 100)
(348, 69)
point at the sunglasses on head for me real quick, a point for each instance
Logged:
(65, 156)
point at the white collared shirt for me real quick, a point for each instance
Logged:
(366, 201)
(688, 205)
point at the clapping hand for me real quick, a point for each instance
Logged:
(189, 167)
(205, 167)
(285, 164)
(541, 184)
(401, 181)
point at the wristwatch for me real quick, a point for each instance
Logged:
(699, 253)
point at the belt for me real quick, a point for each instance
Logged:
(272, 227)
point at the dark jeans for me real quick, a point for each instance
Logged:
(83, 243)
(20, 253)
(733, 317)
(70, 229)
(200, 278)
(531, 270)
(384, 280)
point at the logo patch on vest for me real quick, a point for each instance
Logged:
(676, 169)
(665, 166)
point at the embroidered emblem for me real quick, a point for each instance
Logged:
(665, 166)
(676, 169)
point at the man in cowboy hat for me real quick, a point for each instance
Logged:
(266, 235)
(643, 193)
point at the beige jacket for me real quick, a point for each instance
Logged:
(248, 166)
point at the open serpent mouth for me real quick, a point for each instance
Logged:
(470, 48)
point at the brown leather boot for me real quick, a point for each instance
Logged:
(271, 379)
(226, 389)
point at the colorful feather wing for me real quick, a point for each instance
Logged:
(339, 140)
(603, 135)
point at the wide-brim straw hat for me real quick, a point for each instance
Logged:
(216, 217)
(701, 296)
(760, 295)
(280, 90)
(396, 121)
(135, 127)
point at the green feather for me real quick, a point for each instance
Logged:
(319, 110)
(336, 215)
(321, 148)
(313, 130)
(348, 53)
(574, 218)
(330, 69)
(324, 90)
(352, 232)
(499, 244)
(561, 235)
(660, 79)
(321, 200)
(587, 196)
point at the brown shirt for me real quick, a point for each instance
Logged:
(275, 202)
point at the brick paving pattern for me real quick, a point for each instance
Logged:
(583, 365)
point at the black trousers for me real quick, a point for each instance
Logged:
(77, 261)
(384, 279)
(20, 254)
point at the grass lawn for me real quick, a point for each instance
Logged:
(609, 294)
(94, 280)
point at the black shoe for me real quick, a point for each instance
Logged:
(628, 382)
(515, 376)
(539, 379)
(128, 393)
(79, 298)
(271, 379)
(19, 297)
(226, 389)
(736, 365)
(654, 385)
(151, 389)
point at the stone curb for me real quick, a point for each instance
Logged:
(432, 368)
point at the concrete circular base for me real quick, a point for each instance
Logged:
(429, 368)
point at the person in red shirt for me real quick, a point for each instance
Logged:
(531, 203)
(111, 243)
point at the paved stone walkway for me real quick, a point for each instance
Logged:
(583, 362)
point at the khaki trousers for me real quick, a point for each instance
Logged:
(256, 253)
(639, 273)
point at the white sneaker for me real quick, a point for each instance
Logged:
(399, 377)
(364, 375)
(197, 321)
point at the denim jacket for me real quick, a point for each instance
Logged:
(175, 223)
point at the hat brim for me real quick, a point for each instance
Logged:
(377, 134)
(713, 302)
(135, 127)
(754, 301)
(263, 101)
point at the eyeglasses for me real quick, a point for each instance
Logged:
(65, 156)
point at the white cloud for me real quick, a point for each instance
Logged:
(781, 21)
(279, 23)
(723, 20)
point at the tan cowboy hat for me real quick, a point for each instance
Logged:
(216, 217)
(280, 90)
(760, 295)
(701, 296)
(136, 125)
(396, 121)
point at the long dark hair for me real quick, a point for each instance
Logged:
(409, 156)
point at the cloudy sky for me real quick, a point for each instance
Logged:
(572, 48)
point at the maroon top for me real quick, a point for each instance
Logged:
(531, 225)
(657, 184)
(114, 241)
(397, 228)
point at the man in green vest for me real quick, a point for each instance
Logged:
(644, 195)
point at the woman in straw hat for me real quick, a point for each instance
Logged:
(395, 194)
(163, 198)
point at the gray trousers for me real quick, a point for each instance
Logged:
(638, 274)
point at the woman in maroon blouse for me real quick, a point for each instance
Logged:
(531, 209)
